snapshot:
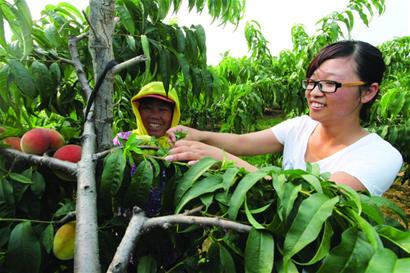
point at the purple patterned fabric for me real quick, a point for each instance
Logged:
(121, 135)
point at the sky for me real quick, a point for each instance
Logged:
(276, 21)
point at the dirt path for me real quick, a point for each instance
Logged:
(399, 193)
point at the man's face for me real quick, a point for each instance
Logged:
(156, 116)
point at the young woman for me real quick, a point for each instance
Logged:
(341, 83)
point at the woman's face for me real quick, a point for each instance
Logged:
(156, 116)
(345, 103)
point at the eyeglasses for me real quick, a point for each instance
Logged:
(327, 86)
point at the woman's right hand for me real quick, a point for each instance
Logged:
(191, 133)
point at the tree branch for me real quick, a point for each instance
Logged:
(79, 69)
(116, 69)
(140, 224)
(122, 255)
(51, 162)
(86, 243)
(103, 154)
(166, 221)
(86, 257)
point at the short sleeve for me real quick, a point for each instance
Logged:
(376, 169)
(283, 129)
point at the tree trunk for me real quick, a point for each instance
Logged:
(100, 46)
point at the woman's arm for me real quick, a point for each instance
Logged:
(261, 142)
(192, 151)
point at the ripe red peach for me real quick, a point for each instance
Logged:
(14, 142)
(70, 152)
(35, 141)
(56, 139)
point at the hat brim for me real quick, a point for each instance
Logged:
(159, 97)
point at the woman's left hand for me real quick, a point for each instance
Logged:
(192, 151)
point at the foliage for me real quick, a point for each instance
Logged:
(299, 220)
(391, 112)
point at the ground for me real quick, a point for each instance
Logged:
(399, 193)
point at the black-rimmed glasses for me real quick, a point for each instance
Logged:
(327, 86)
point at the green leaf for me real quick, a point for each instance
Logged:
(251, 219)
(290, 267)
(180, 40)
(287, 200)
(22, 78)
(20, 178)
(207, 185)
(71, 9)
(313, 168)
(23, 17)
(43, 81)
(239, 194)
(137, 192)
(351, 255)
(229, 177)
(324, 246)
(313, 181)
(207, 200)
(308, 222)
(47, 237)
(367, 229)
(164, 6)
(147, 264)
(352, 195)
(227, 262)
(184, 67)
(402, 265)
(7, 202)
(114, 165)
(24, 250)
(55, 73)
(165, 67)
(146, 49)
(4, 83)
(189, 178)
(3, 41)
(396, 236)
(383, 261)
(385, 203)
(52, 36)
(259, 252)
(200, 38)
(125, 17)
(39, 184)
(373, 212)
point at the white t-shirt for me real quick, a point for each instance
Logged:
(372, 160)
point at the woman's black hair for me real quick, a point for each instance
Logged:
(370, 65)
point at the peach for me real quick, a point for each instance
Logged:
(35, 141)
(70, 152)
(2, 130)
(14, 142)
(56, 139)
(64, 241)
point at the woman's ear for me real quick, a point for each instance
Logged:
(369, 93)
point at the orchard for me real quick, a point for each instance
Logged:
(72, 201)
